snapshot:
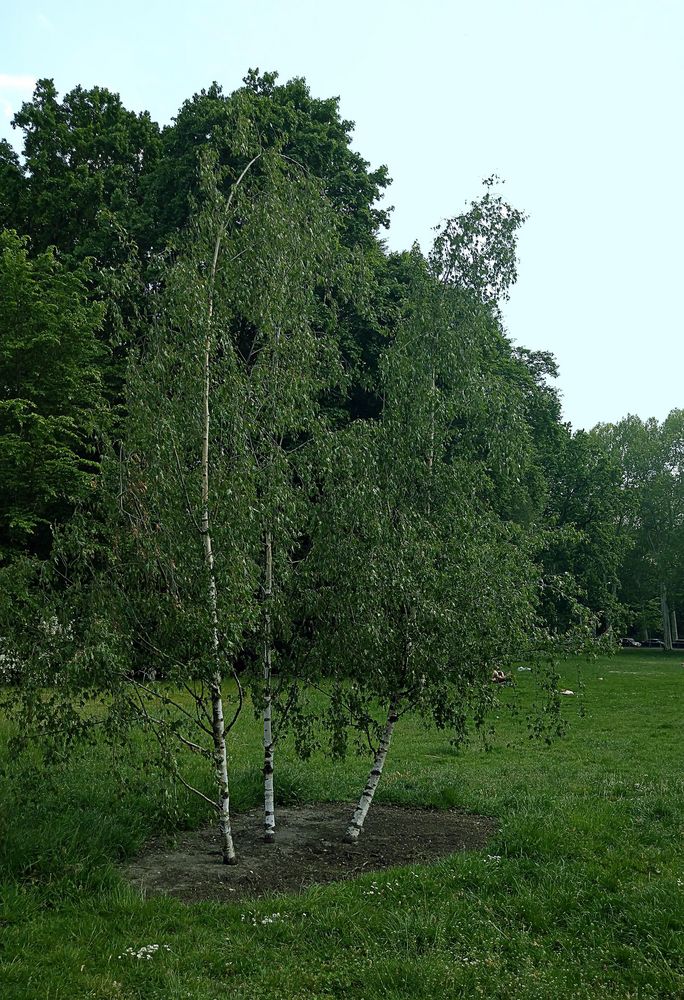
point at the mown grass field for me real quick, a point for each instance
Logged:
(581, 894)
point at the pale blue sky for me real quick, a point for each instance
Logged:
(576, 103)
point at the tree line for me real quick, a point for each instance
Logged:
(246, 450)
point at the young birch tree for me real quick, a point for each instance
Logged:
(260, 260)
(200, 497)
(424, 588)
(290, 359)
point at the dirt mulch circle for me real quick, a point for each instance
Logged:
(308, 851)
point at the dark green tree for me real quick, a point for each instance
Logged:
(51, 398)
(84, 160)
(649, 455)
(584, 509)
(267, 115)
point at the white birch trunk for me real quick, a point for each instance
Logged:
(269, 799)
(221, 770)
(218, 723)
(667, 634)
(269, 744)
(361, 811)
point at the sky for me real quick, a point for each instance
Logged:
(576, 104)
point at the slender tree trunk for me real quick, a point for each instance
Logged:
(269, 744)
(221, 770)
(673, 625)
(269, 800)
(361, 811)
(218, 723)
(667, 634)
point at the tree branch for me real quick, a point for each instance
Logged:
(191, 788)
(241, 696)
(165, 700)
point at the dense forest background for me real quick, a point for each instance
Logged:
(386, 496)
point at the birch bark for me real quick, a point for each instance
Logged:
(269, 800)
(361, 811)
(218, 722)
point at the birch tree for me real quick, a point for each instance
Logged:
(200, 498)
(424, 589)
(290, 361)
(259, 262)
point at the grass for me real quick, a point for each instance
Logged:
(580, 895)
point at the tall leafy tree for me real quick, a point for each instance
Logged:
(84, 160)
(257, 262)
(584, 508)
(81, 188)
(51, 394)
(190, 560)
(649, 455)
(423, 589)
(283, 117)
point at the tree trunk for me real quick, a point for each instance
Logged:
(221, 770)
(361, 811)
(673, 625)
(218, 723)
(269, 800)
(667, 634)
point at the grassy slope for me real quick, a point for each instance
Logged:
(586, 898)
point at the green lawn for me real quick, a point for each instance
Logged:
(580, 895)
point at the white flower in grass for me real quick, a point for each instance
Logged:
(272, 918)
(146, 952)
(377, 890)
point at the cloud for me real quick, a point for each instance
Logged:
(17, 81)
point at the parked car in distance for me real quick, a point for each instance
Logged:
(629, 642)
(653, 643)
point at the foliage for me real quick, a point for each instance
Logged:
(476, 251)
(175, 584)
(264, 114)
(584, 506)
(423, 588)
(651, 515)
(51, 406)
(84, 157)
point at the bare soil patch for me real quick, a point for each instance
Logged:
(308, 851)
